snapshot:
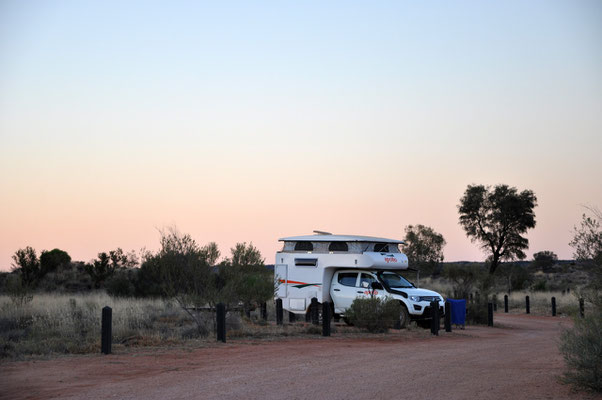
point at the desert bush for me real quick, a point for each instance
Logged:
(476, 312)
(121, 283)
(18, 292)
(463, 277)
(374, 314)
(581, 348)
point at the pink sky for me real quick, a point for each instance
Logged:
(274, 121)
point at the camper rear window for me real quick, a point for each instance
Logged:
(304, 246)
(348, 278)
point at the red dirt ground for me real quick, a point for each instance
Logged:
(517, 359)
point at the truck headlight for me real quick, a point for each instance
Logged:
(415, 298)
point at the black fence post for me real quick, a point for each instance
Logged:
(106, 330)
(220, 316)
(435, 318)
(527, 305)
(264, 311)
(326, 318)
(279, 312)
(292, 317)
(489, 314)
(448, 327)
(494, 303)
(553, 306)
(315, 313)
(581, 308)
(505, 303)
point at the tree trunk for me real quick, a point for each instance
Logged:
(494, 263)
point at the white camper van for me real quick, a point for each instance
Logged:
(341, 268)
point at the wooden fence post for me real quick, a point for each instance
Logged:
(326, 318)
(553, 306)
(489, 314)
(292, 317)
(106, 330)
(279, 312)
(315, 313)
(448, 327)
(527, 305)
(264, 311)
(220, 317)
(435, 318)
(505, 303)
(581, 308)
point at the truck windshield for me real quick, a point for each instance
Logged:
(395, 281)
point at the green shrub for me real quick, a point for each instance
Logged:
(476, 313)
(120, 284)
(374, 314)
(581, 347)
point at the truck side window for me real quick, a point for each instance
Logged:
(304, 246)
(381, 247)
(338, 246)
(366, 278)
(348, 278)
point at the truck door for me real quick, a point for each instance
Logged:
(365, 284)
(344, 290)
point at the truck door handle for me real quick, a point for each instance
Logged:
(359, 291)
(337, 290)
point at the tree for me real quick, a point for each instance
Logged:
(424, 246)
(51, 260)
(244, 255)
(587, 239)
(105, 266)
(27, 263)
(496, 218)
(180, 271)
(463, 278)
(544, 259)
(244, 278)
(211, 253)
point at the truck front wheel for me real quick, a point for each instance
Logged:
(404, 317)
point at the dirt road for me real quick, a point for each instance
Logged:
(518, 359)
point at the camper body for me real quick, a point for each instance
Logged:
(341, 268)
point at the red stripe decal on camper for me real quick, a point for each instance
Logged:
(300, 284)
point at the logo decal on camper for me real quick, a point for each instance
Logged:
(390, 260)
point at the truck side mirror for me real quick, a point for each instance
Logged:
(376, 286)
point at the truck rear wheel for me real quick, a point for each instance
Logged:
(404, 317)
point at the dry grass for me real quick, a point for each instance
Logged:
(54, 324)
(540, 302)
(57, 323)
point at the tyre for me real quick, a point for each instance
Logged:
(404, 317)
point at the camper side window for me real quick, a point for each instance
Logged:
(304, 246)
(338, 246)
(348, 278)
(381, 247)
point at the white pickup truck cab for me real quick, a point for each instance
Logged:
(341, 268)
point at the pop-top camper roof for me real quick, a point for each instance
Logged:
(339, 238)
